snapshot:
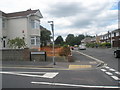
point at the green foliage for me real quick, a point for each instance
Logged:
(59, 40)
(45, 36)
(74, 40)
(98, 44)
(16, 43)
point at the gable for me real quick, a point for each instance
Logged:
(38, 13)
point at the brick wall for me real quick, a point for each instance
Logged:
(15, 54)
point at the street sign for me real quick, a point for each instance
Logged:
(37, 52)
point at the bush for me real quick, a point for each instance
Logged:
(65, 51)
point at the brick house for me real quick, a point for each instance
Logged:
(24, 24)
(112, 37)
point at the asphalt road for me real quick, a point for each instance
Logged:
(87, 78)
(105, 54)
(102, 77)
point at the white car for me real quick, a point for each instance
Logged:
(82, 47)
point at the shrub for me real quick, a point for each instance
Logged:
(65, 51)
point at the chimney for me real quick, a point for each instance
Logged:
(29, 9)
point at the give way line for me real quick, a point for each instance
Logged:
(31, 74)
(73, 85)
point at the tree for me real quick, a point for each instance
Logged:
(16, 43)
(74, 40)
(79, 38)
(70, 39)
(59, 40)
(45, 36)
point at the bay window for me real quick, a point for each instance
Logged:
(35, 24)
(35, 40)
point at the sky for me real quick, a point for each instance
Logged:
(88, 17)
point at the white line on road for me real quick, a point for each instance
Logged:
(108, 73)
(49, 75)
(117, 73)
(45, 74)
(73, 85)
(90, 57)
(107, 67)
(115, 77)
(103, 70)
(112, 69)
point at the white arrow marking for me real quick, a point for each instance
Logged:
(73, 85)
(45, 74)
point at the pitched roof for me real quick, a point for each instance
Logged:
(22, 13)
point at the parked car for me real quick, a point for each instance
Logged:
(117, 53)
(82, 47)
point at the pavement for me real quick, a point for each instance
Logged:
(49, 65)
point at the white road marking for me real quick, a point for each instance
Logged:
(90, 57)
(73, 85)
(45, 74)
(103, 70)
(107, 67)
(50, 75)
(112, 69)
(117, 73)
(108, 73)
(115, 77)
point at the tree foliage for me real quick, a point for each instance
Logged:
(45, 36)
(70, 39)
(59, 40)
(74, 40)
(16, 43)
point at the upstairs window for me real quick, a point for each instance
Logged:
(3, 23)
(35, 24)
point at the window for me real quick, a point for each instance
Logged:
(35, 40)
(117, 34)
(35, 24)
(32, 40)
(3, 23)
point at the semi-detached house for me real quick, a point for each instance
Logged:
(24, 24)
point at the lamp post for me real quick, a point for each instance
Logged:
(111, 40)
(52, 27)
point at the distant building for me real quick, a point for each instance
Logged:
(24, 24)
(86, 40)
(112, 37)
(116, 38)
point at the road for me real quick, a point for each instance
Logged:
(105, 55)
(103, 77)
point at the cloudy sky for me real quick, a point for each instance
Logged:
(76, 17)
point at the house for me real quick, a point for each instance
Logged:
(86, 40)
(112, 37)
(115, 37)
(24, 24)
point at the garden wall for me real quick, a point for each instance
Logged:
(15, 54)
